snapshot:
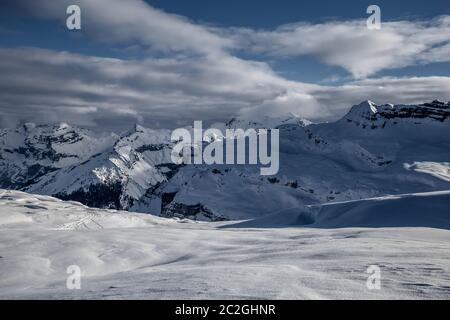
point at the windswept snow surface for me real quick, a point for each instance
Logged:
(136, 256)
(428, 209)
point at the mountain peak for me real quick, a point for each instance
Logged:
(367, 112)
(29, 126)
(138, 128)
(266, 122)
(366, 109)
(63, 126)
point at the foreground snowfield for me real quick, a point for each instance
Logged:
(137, 256)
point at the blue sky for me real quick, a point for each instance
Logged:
(175, 61)
(272, 13)
(263, 14)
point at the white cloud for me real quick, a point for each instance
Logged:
(161, 90)
(352, 46)
(347, 44)
(97, 91)
(200, 78)
(406, 90)
(134, 21)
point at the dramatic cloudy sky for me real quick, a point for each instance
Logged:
(165, 63)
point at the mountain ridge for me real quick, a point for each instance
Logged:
(371, 151)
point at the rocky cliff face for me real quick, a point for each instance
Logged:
(31, 152)
(370, 115)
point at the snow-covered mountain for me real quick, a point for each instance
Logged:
(327, 162)
(372, 151)
(137, 161)
(30, 151)
(263, 122)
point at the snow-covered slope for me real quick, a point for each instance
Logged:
(125, 255)
(372, 151)
(428, 210)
